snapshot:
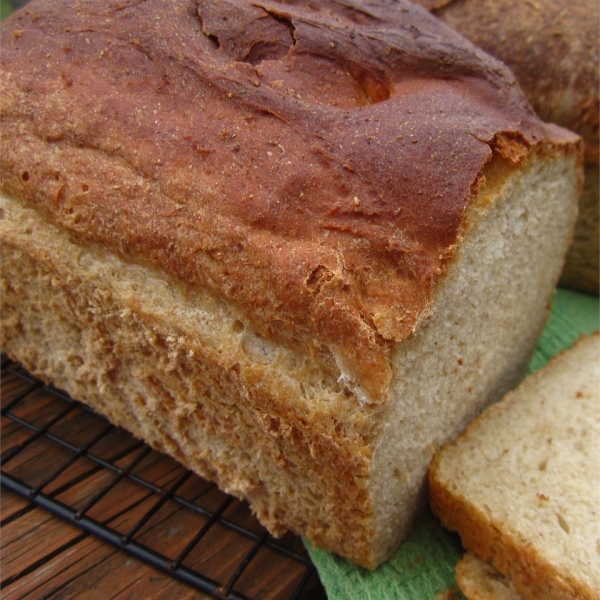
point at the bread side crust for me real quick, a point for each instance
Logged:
(226, 403)
(512, 555)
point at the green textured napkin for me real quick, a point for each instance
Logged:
(5, 8)
(424, 565)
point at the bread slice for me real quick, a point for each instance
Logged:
(289, 245)
(553, 48)
(478, 580)
(520, 484)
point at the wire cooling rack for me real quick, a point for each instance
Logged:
(61, 456)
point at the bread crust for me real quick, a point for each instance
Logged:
(188, 143)
(512, 557)
(220, 404)
(581, 271)
(480, 581)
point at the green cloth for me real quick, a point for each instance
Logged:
(424, 565)
(5, 8)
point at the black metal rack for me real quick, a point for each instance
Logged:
(118, 489)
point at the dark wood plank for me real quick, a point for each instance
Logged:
(119, 575)
(56, 571)
(29, 541)
(11, 505)
(56, 561)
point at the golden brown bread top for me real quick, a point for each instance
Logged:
(312, 165)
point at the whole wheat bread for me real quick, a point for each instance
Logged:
(291, 245)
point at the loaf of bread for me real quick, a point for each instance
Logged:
(553, 48)
(292, 246)
(520, 485)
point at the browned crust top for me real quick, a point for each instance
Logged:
(310, 164)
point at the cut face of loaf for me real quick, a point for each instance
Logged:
(520, 484)
(299, 290)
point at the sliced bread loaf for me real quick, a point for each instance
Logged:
(520, 484)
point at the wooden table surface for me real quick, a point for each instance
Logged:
(44, 557)
(66, 455)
